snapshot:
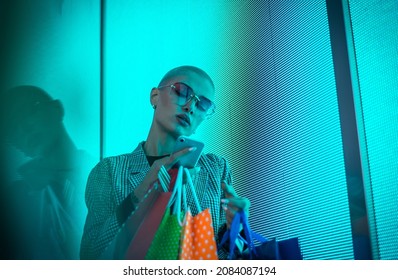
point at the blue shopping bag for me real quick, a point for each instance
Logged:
(268, 249)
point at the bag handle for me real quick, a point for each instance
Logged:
(183, 194)
(192, 187)
(179, 190)
(232, 234)
(240, 218)
(164, 180)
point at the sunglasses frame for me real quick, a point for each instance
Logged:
(194, 96)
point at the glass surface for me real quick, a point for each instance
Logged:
(51, 124)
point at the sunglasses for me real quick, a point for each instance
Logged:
(184, 93)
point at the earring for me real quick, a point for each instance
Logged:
(154, 107)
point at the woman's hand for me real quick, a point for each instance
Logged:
(232, 203)
(152, 176)
(170, 161)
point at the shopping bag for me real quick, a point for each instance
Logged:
(268, 249)
(141, 243)
(272, 249)
(142, 240)
(165, 245)
(197, 237)
(197, 240)
(117, 248)
(290, 249)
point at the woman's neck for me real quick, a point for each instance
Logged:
(159, 144)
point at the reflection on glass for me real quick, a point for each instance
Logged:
(47, 200)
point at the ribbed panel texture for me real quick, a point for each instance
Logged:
(375, 29)
(286, 147)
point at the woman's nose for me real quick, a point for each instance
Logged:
(190, 106)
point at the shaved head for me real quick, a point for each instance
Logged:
(184, 70)
(21, 101)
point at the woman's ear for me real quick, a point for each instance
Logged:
(154, 97)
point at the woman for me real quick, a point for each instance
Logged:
(181, 102)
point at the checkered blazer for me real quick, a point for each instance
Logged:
(114, 178)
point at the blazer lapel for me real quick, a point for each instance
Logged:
(138, 168)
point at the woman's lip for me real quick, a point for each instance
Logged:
(182, 121)
(185, 118)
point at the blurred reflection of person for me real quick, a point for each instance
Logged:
(48, 197)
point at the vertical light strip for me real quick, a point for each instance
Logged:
(374, 28)
(102, 77)
(361, 133)
(349, 130)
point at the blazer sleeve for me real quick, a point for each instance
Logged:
(225, 175)
(102, 218)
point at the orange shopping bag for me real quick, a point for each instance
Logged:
(197, 237)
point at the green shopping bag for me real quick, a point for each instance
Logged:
(166, 243)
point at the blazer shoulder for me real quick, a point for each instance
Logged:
(214, 160)
(111, 161)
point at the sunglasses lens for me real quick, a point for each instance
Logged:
(205, 104)
(184, 93)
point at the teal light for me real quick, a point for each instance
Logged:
(277, 120)
(374, 60)
(142, 42)
(300, 176)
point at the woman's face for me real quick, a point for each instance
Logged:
(177, 119)
(35, 133)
